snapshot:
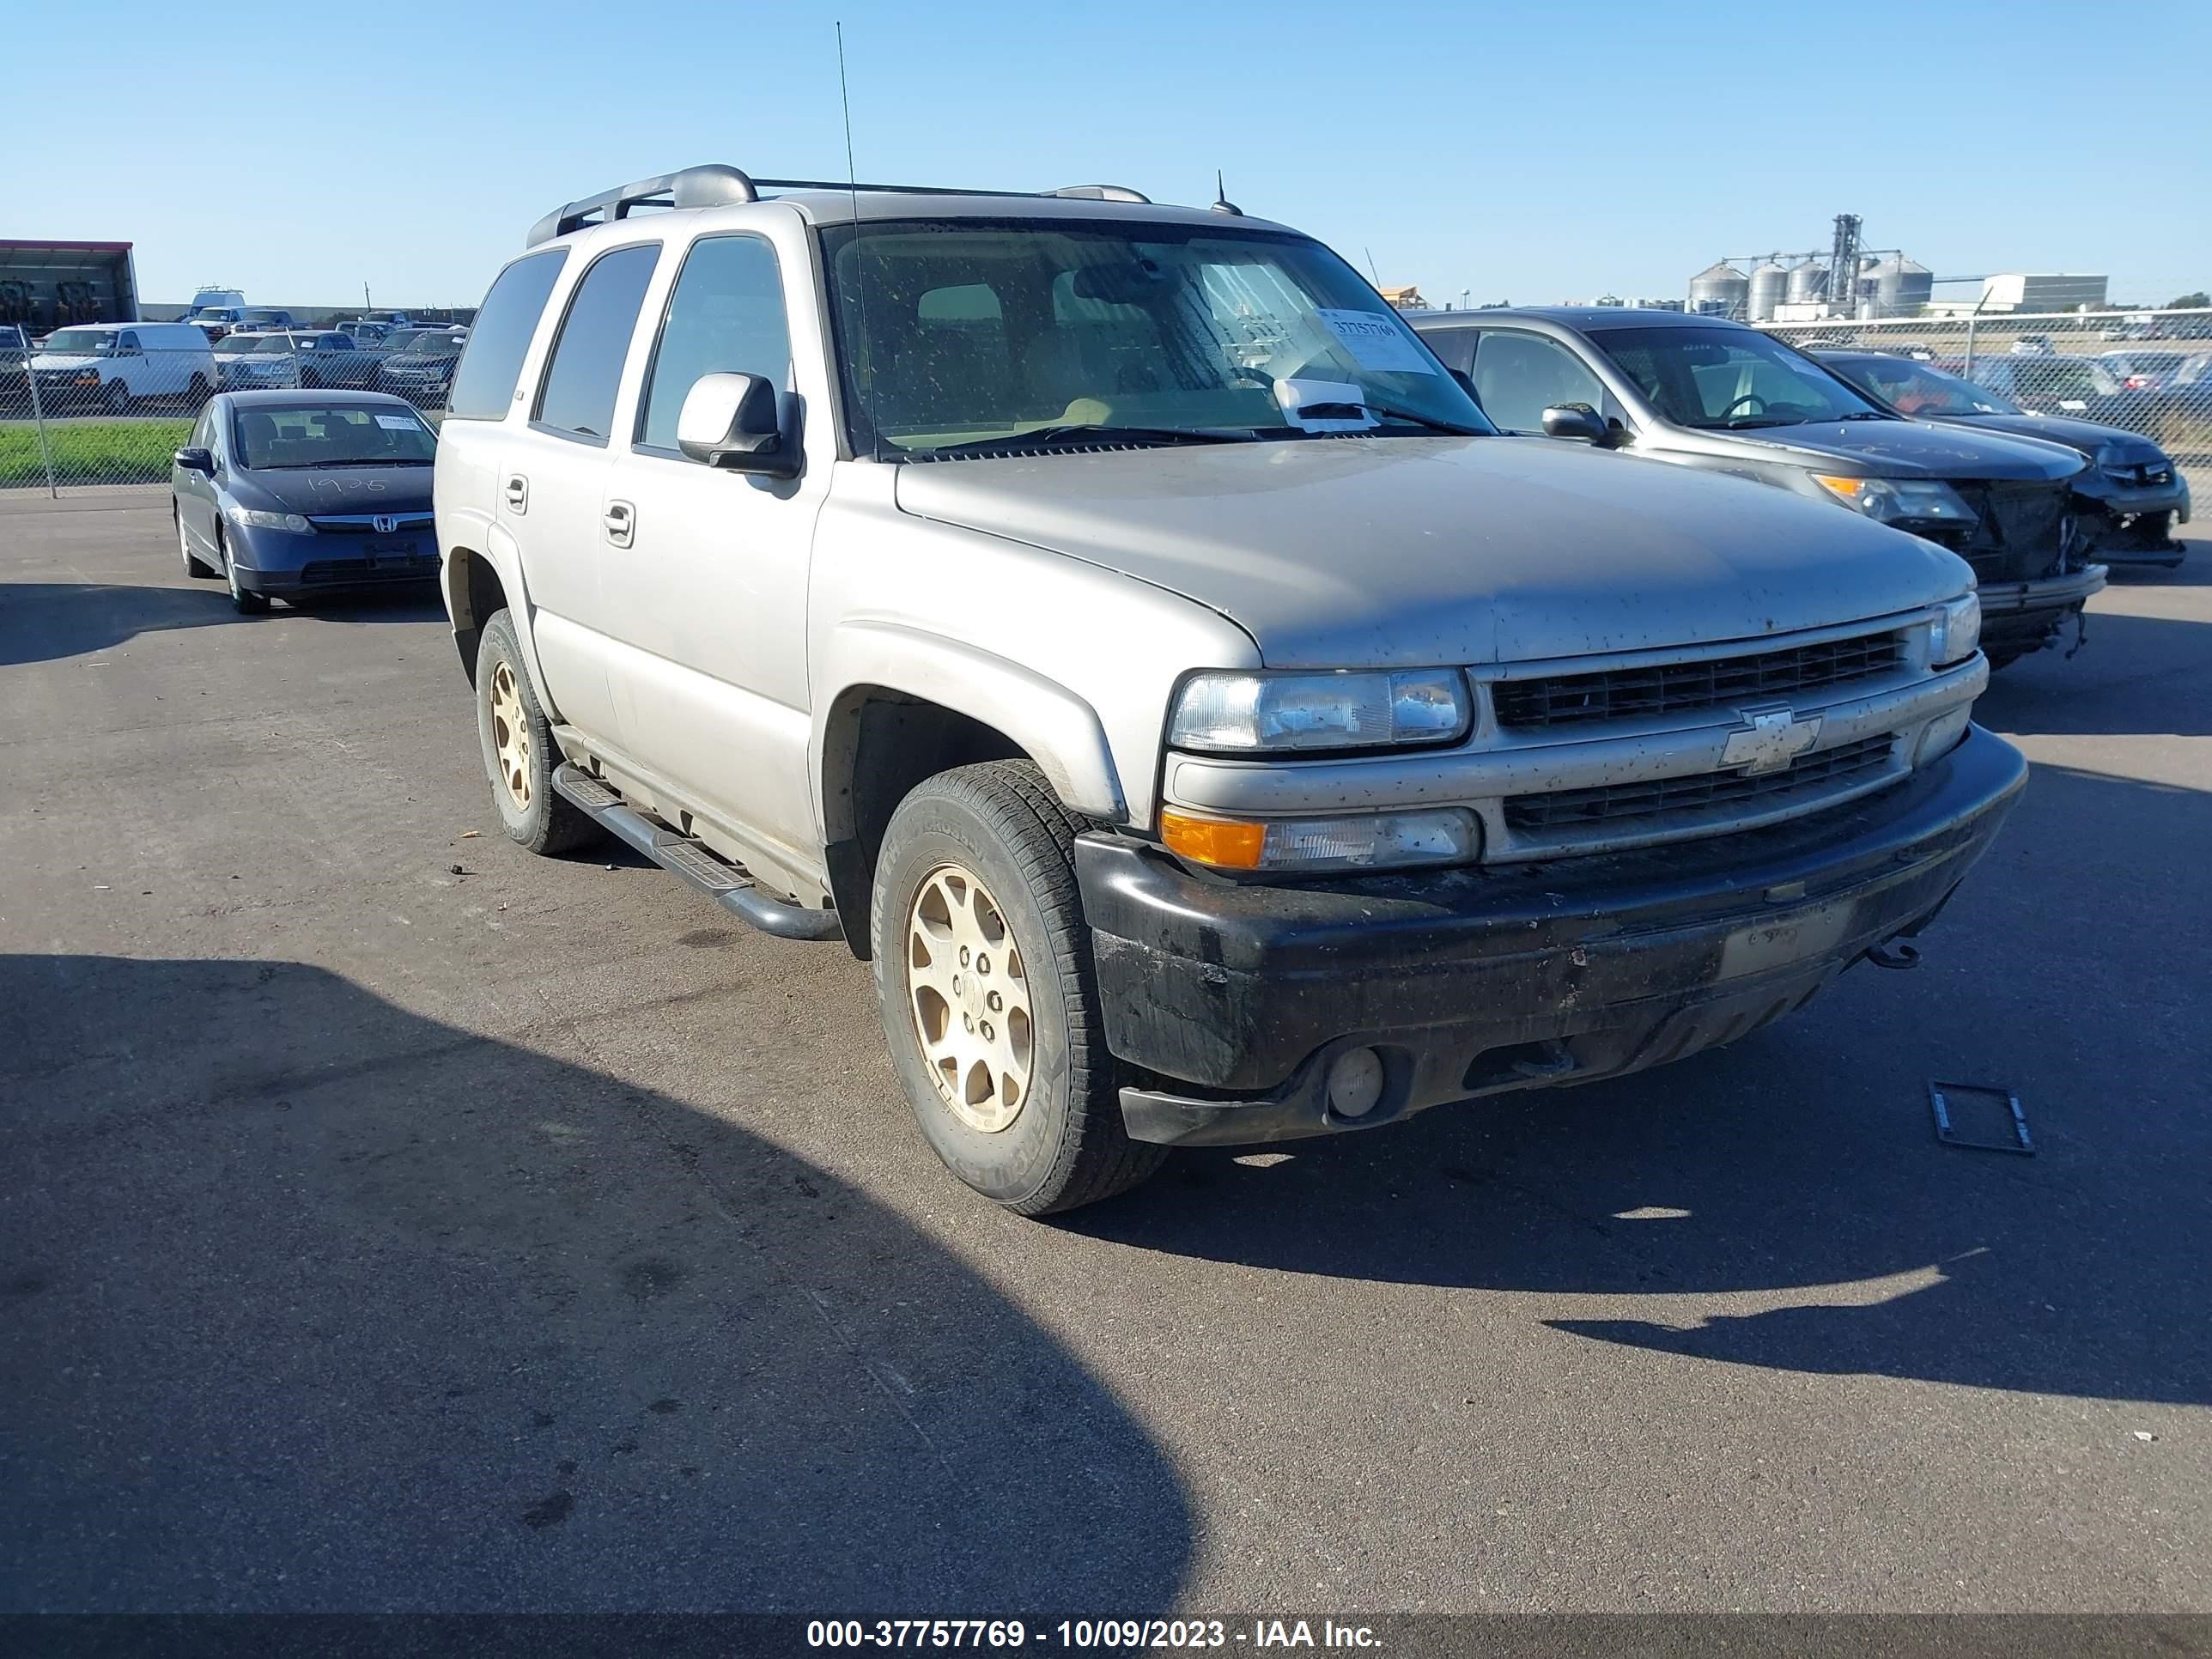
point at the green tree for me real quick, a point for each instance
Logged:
(2195, 302)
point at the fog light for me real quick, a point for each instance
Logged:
(1355, 1083)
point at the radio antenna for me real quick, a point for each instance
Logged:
(859, 253)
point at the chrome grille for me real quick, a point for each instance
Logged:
(1827, 768)
(364, 523)
(1616, 694)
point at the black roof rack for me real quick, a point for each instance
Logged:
(713, 185)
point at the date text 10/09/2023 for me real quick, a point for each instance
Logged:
(1087, 1633)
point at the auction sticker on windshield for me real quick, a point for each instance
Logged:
(1376, 342)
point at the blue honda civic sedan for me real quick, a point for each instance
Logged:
(287, 492)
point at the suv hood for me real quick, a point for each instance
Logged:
(1354, 551)
(1906, 449)
(2086, 437)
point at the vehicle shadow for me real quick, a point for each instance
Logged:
(2135, 674)
(1784, 1203)
(417, 602)
(46, 621)
(312, 1302)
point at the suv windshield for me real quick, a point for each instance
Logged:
(1912, 388)
(271, 344)
(1727, 379)
(340, 436)
(78, 342)
(963, 332)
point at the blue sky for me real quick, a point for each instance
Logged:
(1531, 154)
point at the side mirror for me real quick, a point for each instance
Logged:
(1576, 421)
(196, 460)
(732, 422)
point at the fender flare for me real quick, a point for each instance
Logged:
(499, 551)
(1059, 730)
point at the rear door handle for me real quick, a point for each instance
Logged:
(518, 493)
(621, 521)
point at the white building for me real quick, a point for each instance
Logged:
(2042, 291)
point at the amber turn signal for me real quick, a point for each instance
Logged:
(1222, 842)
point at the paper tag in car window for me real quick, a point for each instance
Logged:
(2072, 403)
(1377, 342)
(398, 422)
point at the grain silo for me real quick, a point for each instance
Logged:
(1809, 284)
(1901, 286)
(1720, 290)
(1770, 287)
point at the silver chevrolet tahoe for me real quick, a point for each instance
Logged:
(1113, 621)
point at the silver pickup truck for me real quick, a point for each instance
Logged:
(1113, 621)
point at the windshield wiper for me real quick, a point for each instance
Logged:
(1386, 412)
(1085, 434)
(1865, 415)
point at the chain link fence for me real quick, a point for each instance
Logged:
(110, 404)
(2145, 372)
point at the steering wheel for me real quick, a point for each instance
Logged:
(1747, 397)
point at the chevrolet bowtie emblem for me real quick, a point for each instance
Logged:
(1769, 740)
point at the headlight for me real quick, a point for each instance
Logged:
(1237, 713)
(1956, 631)
(247, 518)
(1365, 841)
(1899, 501)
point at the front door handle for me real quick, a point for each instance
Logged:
(518, 493)
(621, 521)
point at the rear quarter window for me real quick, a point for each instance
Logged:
(485, 381)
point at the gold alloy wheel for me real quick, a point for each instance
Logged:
(969, 990)
(510, 734)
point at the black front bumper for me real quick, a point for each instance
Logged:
(1237, 997)
(2021, 616)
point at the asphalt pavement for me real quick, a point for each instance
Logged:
(393, 1220)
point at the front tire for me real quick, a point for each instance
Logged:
(518, 750)
(244, 601)
(117, 397)
(195, 565)
(989, 997)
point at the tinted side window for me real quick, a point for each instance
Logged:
(1518, 376)
(1455, 346)
(483, 385)
(725, 317)
(578, 393)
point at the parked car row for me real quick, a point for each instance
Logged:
(2130, 497)
(1722, 396)
(415, 362)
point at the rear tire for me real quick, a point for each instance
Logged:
(518, 750)
(196, 394)
(996, 842)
